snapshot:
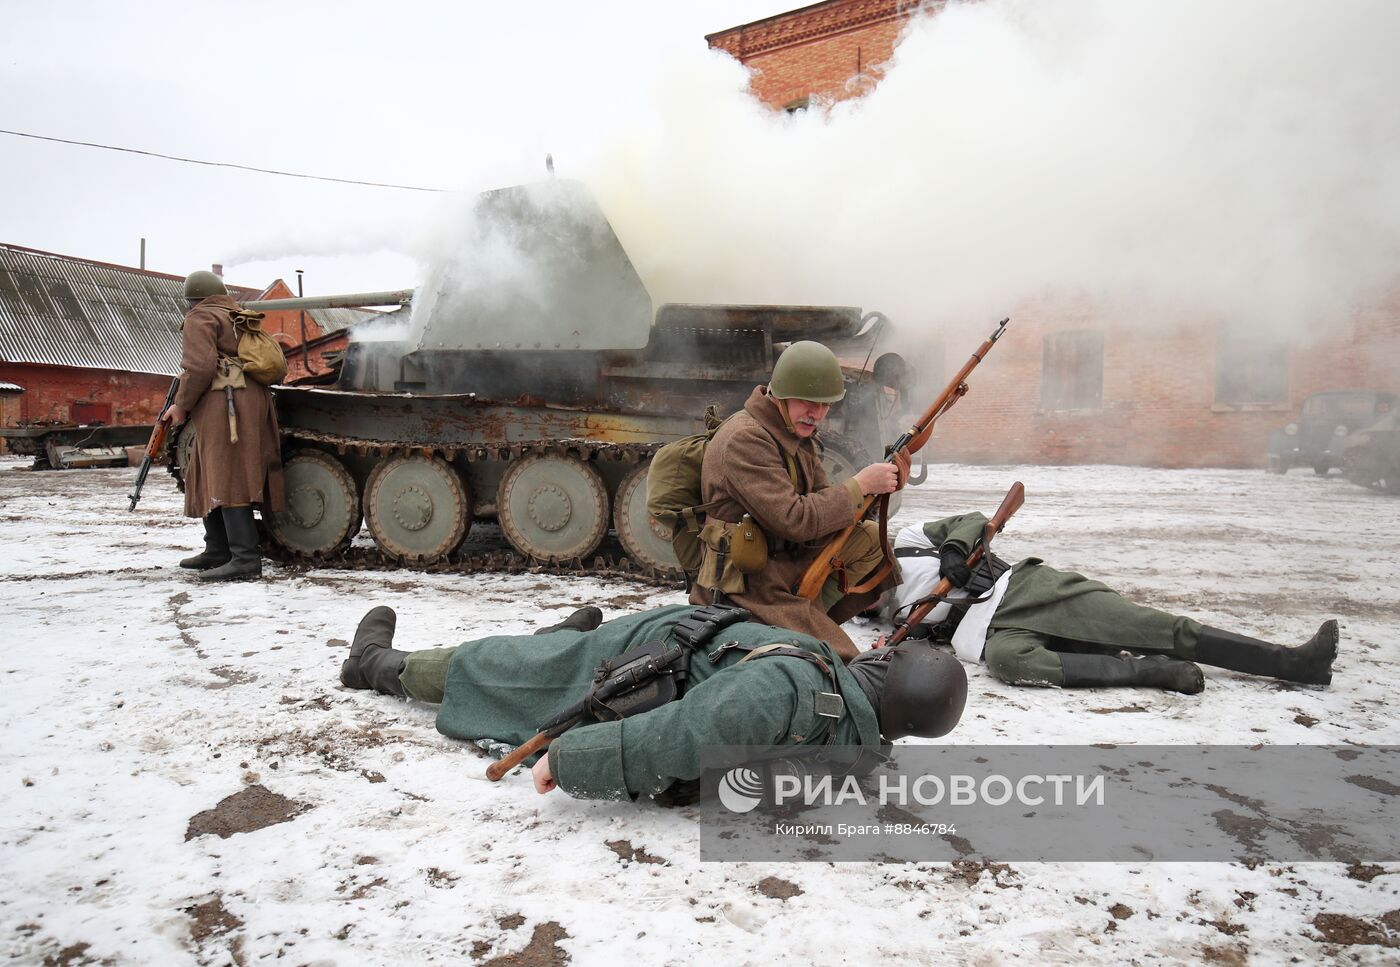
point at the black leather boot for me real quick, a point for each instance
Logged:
(245, 560)
(1154, 671)
(1308, 664)
(584, 619)
(216, 550)
(373, 663)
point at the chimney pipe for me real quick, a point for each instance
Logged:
(143, 253)
(218, 269)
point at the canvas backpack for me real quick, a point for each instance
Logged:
(259, 354)
(673, 490)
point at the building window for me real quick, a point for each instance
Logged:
(1071, 372)
(1249, 369)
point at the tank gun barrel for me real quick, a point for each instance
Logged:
(354, 300)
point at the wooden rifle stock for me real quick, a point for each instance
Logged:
(910, 443)
(1011, 503)
(501, 766)
(155, 444)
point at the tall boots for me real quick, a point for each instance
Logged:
(373, 663)
(245, 560)
(1154, 671)
(216, 550)
(584, 619)
(1309, 663)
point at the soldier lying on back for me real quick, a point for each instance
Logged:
(505, 686)
(1036, 625)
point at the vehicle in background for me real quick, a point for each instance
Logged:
(1315, 438)
(1372, 454)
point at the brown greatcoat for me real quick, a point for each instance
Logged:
(745, 470)
(224, 474)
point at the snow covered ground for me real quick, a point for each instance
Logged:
(135, 701)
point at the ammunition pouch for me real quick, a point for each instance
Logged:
(717, 571)
(650, 675)
(638, 680)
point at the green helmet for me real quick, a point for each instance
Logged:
(922, 690)
(203, 284)
(807, 371)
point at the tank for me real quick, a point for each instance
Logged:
(527, 386)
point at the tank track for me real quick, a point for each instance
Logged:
(505, 560)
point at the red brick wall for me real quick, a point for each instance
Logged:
(296, 367)
(288, 321)
(1159, 406)
(831, 50)
(50, 391)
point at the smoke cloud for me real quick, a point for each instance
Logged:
(1239, 160)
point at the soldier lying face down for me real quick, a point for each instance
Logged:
(744, 684)
(1034, 625)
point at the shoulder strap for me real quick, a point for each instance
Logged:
(828, 705)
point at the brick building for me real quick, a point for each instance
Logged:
(91, 342)
(1072, 383)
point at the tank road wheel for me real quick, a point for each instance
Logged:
(416, 507)
(323, 505)
(552, 508)
(841, 458)
(646, 542)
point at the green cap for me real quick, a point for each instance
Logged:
(807, 371)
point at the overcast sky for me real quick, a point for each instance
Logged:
(1235, 159)
(437, 94)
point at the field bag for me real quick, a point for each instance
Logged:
(260, 355)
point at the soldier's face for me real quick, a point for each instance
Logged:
(806, 416)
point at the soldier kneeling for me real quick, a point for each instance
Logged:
(744, 684)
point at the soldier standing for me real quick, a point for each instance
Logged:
(762, 475)
(1035, 625)
(735, 694)
(235, 462)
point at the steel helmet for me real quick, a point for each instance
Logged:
(807, 371)
(925, 692)
(203, 284)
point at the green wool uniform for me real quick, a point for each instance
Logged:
(1044, 611)
(505, 686)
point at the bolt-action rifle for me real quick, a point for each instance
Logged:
(155, 444)
(900, 454)
(1011, 503)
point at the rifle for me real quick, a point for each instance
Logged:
(604, 690)
(1011, 503)
(900, 454)
(155, 444)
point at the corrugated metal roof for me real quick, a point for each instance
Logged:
(11, 388)
(334, 320)
(63, 311)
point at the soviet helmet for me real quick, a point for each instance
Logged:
(924, 694)
(807, 371)
(202, 284)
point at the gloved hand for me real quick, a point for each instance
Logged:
(952, 564)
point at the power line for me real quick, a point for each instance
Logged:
(220, 164)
